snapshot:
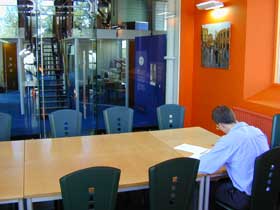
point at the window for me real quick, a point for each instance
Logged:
(9, 19)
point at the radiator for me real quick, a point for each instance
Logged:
(258, 120)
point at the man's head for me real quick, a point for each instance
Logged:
(224, 118)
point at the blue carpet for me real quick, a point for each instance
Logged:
(30, 124)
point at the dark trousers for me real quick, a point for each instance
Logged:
(224, 191)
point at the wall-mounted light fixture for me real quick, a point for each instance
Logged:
(213, 4)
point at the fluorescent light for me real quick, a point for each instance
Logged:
(209, 5)
(9, 3)
(4, 41)
(47, 3)
(163, 13)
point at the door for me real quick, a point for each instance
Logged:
(10, 66)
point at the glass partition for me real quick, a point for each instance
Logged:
(86, 55)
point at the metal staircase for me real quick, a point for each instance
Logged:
(53, 91)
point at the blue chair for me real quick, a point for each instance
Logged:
(275, 131)
(6, 126)
(172, 184)
(90, 188)
(65, 122)
(170, 116)
(118, 119)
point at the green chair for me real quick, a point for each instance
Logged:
(118, 119)
(170, 116)
(93, 188)
(65, 122)
(172, 184)
(275, 131)
(6, 126)
(266, 182)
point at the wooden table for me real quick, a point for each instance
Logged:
(48, 160)
(195, 136)
(12, 169)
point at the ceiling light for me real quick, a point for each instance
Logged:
(209, 5)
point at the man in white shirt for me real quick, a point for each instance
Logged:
(237, 151)
(29, 67)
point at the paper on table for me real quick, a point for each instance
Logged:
(192, 148)
(196, 150)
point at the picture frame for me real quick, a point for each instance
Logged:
(215, 45)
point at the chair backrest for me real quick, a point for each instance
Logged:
(118, 119)
(65, 122)
(93, 188)
(170, 116)
(6, 126)
(275, 131)
(266, 182)
(172, 184)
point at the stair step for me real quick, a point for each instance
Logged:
(57, 101)
(54, 96)
(49, 56)
(54, 107)
(53, 69)
(51, 80)
(51, 90)
(48, 85)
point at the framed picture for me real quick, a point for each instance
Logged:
(215, 40)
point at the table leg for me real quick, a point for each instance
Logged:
(201, 193)
(20, 204)
(29, 204)
(206, 192)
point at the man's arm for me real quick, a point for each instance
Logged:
(216, 157)
(21, 53)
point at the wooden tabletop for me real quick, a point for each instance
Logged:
(134, 153)
(11, 170)
(194, 135)
(48, 160)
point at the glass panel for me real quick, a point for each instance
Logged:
(86, 51)
(65, 57)
(111, 75)
(86, 55)
(16, 98)
(8, 21)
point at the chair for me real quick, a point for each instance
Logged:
(266, 182)
(118, 119)
(92, 188)
(6, 126)
(172, 184)
(65, 122)
(275, 131)
(170, 116)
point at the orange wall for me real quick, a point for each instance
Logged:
(258, 63)
(187, 57)
(210, 86)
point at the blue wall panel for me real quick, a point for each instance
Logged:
(150, 75)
